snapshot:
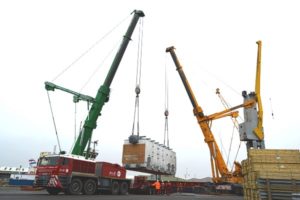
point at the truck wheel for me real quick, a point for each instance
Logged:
(115, 188)
(53, 191)
(75, 186)
(124, 188)
(89, 187)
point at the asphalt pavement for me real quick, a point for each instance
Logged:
(8, 193)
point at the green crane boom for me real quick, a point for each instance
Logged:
(103, 93)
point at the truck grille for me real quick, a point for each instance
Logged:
(42, 180)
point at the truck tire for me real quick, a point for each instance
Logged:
(124, 188)
(75, 187)
(53, 191)
(89, 187)
(115, 188)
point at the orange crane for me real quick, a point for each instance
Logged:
(219, 168)
(220, 171)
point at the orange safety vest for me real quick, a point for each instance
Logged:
(156, 185)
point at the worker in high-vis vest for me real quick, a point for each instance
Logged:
(156, 185)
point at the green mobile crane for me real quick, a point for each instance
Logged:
(75, 174)
(102, 96)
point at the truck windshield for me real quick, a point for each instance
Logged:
(46, 161)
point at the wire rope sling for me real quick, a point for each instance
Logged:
(135, 133)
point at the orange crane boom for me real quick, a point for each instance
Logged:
(219, 168)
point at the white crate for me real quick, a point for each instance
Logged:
(149, 156)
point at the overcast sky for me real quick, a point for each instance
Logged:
(215, 42)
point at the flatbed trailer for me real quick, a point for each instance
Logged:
(171, 184)
(143, 185)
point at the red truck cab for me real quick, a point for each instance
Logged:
(76, 175)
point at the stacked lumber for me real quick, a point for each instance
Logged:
(271, 174)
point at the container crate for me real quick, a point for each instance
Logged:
(149, 156)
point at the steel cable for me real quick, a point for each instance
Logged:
(89, 49)
(53, 119)
(136, 116)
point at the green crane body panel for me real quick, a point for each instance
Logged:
(103, 92)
